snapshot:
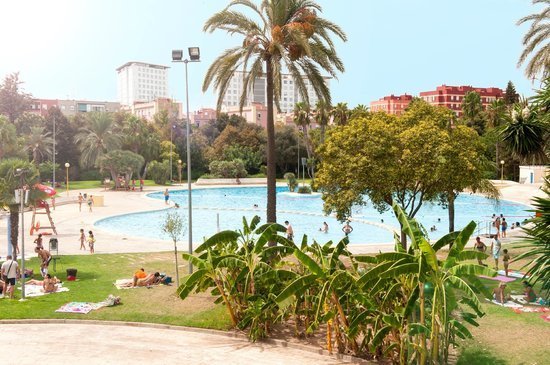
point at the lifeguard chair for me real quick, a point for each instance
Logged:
(37, 209)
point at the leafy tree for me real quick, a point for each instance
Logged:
(39, 143)
(8, 138)
(535, 42)
(286, 142)
(65, 148)
(359, 111)
(159, 171)
(97, 138)
(510, 95)
(227, 169)
(27, 120)
(291, 181)
(120, 162)
(9, 182)
(46, 170)
(289, 33)
(252, 159)
(247, 135)
(340, 114)
(13, 101)
(472, 111)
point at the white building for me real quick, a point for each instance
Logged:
(289, 93)
(141, 82)
(532, 174)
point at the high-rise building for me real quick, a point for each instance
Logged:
(141, 82)
(289, 92)
(452, 96)
(391, 104)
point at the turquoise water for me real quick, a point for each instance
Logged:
(229, 205)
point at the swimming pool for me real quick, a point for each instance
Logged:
(305, 213)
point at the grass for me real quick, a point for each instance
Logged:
(96, 274)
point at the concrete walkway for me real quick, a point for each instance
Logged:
(55, 343)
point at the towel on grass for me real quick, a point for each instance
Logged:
(37, 290)
(521, 299)
(508, 304)
(531, 310)
(76, 307)
(513, 274)
(499, 278)
(125, 284)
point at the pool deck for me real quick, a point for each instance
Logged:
(69, 220)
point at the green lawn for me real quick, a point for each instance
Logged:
(96, 274)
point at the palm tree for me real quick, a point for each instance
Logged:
(39, 143)
(302, 118)
(321, 115)
(359, 111)
(8, 137)
(340, 114)
(287, 33)
(535, 42)
(96, 139)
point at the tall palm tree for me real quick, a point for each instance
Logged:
(340, 114)
(97, 138)
(39, 143)
(360, 110)
(321, 115)
(536, 43)
(286, 34)
(302, 118)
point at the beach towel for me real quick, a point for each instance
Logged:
(508, 304)
(76, 307)
(37, 290)
(123, 284)
(521, 299)
(531, 310)
(499, 278)
(546, 317)
(513, 274)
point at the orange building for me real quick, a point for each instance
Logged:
(391, 104)
(452, 96)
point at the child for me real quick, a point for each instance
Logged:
(505, 260)
(82, 239)
(91, 241)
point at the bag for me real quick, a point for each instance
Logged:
(167, 280)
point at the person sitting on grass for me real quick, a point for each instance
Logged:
(150, 279)
(499, 293)
(55, 280)
(528, 292)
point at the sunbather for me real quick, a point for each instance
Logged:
(41, 282)
(499, 293)
(529, 293)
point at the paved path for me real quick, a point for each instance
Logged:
(113, 344)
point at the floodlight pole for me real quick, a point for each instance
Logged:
(21, 173)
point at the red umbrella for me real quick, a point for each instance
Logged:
(46, 189)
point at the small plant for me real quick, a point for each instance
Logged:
(291, 181)
(304, 189)
(174, 227)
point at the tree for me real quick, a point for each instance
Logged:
(359, 111)
(289, 33)
(159, 171)
(321, 116)
(174, 227)
(9, 182)
(227, 169)
(13, 101)
(97, 138)
(510, 95)
(120, 162)
(286, 142)
(246, 135)
(25, 121)
(8, 138)
(302, 118)
(392, 160)
(535, 42)
(39, 143)
(251, 159)
(340, 114)
(65, 148)
(472, 111)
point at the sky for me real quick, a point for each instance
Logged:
(69, 49)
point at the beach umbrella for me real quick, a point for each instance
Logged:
(46, 189)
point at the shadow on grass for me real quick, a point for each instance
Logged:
(478, 356)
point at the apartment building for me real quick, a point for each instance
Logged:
(72, 107)
(141, 82)
(147, 110)
(289, 92)
(452, 96)
(391, 104)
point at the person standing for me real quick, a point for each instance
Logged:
(495, 249)
(133, 184)
(80, 201)
(38, 242)
(141, 183)
(166, 196)
(480, 246)
(82, 239)
(45, 258)
(289, 231)
(503, 227)
(90, 202)
(497, 225)
(91, 241)
(347, 229)
(10, 273)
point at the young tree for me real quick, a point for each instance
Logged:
(289, 33)
(174, 227)
(535, 42)
(13, 101)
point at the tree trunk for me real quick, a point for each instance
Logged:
(14, 227)
(271, 156)
(451, 200)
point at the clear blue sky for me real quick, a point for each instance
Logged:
(71, 48)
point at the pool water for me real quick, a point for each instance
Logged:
(224, 208)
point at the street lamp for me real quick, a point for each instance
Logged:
(501, 170)
(22, 197)
(194, 56)
(304, 162)
(53, 158)
(67, 165)
(179, 170)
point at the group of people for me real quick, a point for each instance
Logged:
(347, 229)
(89, 199)
(501, 296)
(500, 225)
(495, 250)
(90, 240)
(141, 278)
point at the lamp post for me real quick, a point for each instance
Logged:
(67, 165)
(179, 170)
(501, 170)
(53, 158)
(304, 162)
(21, 194)
(171, 130)
(194, 56)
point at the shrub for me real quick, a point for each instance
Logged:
(227, 169)
(305, 189)
(89, 175)
(159, 171)
(291, 181)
